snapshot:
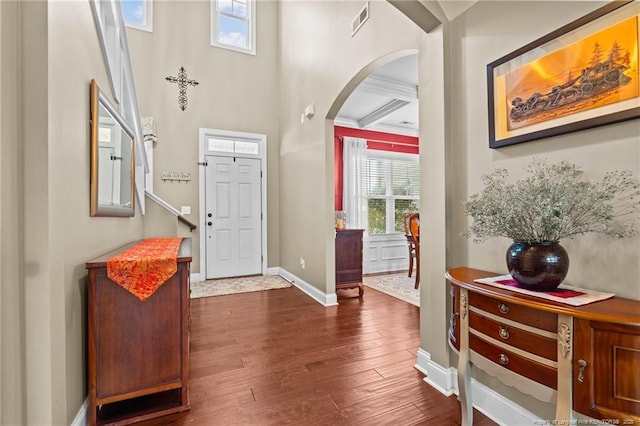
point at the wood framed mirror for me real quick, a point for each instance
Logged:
(112, 159)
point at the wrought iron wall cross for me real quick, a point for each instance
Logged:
(183, 83)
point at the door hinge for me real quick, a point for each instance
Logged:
(204, 163)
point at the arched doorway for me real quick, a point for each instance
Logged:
(433, 356)
(378, 185)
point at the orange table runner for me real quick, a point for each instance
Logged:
(143, 268)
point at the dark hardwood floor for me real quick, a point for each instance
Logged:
(278, 357)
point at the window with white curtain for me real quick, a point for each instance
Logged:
(393, 190)
(233, 25)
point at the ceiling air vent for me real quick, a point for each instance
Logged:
(360, 19)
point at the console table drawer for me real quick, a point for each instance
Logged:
(525, 367)
(524, 315)
(545, 347)
(595, 368)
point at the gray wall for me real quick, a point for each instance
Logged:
(487, 31)
(74, 236)
(318, 60)
(46, 231)
(454, 144)
(11, 328)
(236, 92)
(305, 55)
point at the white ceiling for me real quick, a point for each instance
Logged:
(387, 100)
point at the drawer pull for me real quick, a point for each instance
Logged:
(582, 364)
(504, 360)
(503, 331)
(503, 308)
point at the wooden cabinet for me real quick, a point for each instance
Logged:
(583, 359)
(606, 370)
(349, 259)
(138, 351)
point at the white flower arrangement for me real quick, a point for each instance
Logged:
(553, 202)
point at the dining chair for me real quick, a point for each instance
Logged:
(414, 228)
(412, 247)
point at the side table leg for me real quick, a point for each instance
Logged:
(565, 374)
(464, 365)
(92, 413)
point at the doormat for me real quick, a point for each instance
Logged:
(397, 285)
(223, 286)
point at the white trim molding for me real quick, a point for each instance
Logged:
(324, 299)
(390, 88)
(273, 270)
(330, 299)
(490, 403)
(81, 417)
(441, 378)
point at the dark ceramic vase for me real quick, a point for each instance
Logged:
(538, 266)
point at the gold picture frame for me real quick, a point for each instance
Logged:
(112, 179)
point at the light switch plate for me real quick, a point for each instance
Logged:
(185, 209)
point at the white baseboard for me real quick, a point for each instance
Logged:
(439, 377)
(320, 297)
(81, 417)
(197, 276)
(489, 402)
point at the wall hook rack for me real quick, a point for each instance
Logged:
(175, 176)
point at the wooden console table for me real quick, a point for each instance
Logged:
(138, 351)
(585, 359)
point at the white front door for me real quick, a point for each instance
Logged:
(233, 216)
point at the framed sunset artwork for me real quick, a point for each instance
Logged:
(580, 76)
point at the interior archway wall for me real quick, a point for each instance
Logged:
(433, 177)
(361, 75)
(334, 109)
(319, 57)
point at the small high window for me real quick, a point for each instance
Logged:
(233, 25)
(138, 14)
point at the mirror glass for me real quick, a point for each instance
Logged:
(112, 164)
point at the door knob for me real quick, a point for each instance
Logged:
(209, 223)
(209, 215)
